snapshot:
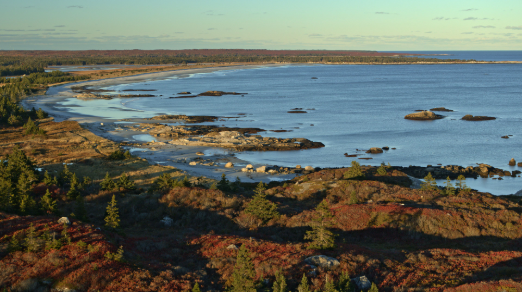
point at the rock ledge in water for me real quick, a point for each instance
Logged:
(423, 116)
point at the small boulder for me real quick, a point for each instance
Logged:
(261, 169)
(309, 168)
(362, 283)
(232, 247)
(229, 165)
(200, 153)
(64, 220)
(477, 118)
(192, 163)
(298, 166)
(512, 162)
(322, 261)
(250, 166)
(244, 169)
(519, 164)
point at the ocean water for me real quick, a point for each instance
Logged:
(352, 107)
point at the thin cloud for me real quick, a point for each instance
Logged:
(514, 27)
(28, 7)
(61, 25)
(14, 30)
(443, 18)
(467, 32)
(42, 30)
(212, 28)
(428, 32)
(382, 12)
(315, 35)
(484, 26)
(470, 9)
(470, 18)
(75, 6)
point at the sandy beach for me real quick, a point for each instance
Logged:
(155, 149)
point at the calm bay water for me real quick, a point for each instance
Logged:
(353, 107)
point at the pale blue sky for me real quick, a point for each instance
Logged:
(382, 25)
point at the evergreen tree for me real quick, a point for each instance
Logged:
(40, 114)
(236, 185)
(320, 236)
(450, 190)
(355, 172)
(196, 288)
(260, 206)
(32, 129)
(329, 285)
(112, 220)
(429, 183)
(244, 274)
(47, 204)
(14, 244)
(125, 183)
(185, 182)
(353, 198)
(279, 283)
(107, 184)
(48, 180)
(461, 184)
(65, 175)
(30, 242)
(345, 283)
(79, 209)
(27, 204)
(213, 186)
(382, 170)
(373, 288)
(304, 287)
(164, 182)
(223, 184)
(66, 239)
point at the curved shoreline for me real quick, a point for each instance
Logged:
(156, 151)
(178, 155)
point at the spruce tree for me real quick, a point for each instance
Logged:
(48, 180)
(304, 287)
(329, 285)
(14, 244)
(79, 209)
(353, 198)
(320, 236)
(185, 182)
(196, 288)
(373, 288)
(450, 189)
(223, 184)
(112, 220)
(461, 184)
(355, 172)
(429, 183)
(345, 283)
(244, 274)
(260, 206)
(47, 204)
(164, 182)
(125, 183)
(30, 242)
(382, 170)
(107, 184)
(279, 283)
(65, 175)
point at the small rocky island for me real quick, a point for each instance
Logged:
(423, 116)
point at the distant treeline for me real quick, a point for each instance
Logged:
(20, 70)
(16, 88)
(41, 59)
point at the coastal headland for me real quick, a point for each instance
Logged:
(179, 226)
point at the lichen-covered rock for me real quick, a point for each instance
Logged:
(424, 115)
(322, 261)
(362, 283)
(64, 220)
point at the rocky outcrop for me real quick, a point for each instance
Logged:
(423, 116)
(477, 118)
(219, 93)
(87, 96)
(512, 162)
(440, 109)
(362, 283)
(322, 261)
(375, 150)
(453, 171)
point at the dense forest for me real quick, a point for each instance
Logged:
(25, 62)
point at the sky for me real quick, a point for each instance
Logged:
(380, 25)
